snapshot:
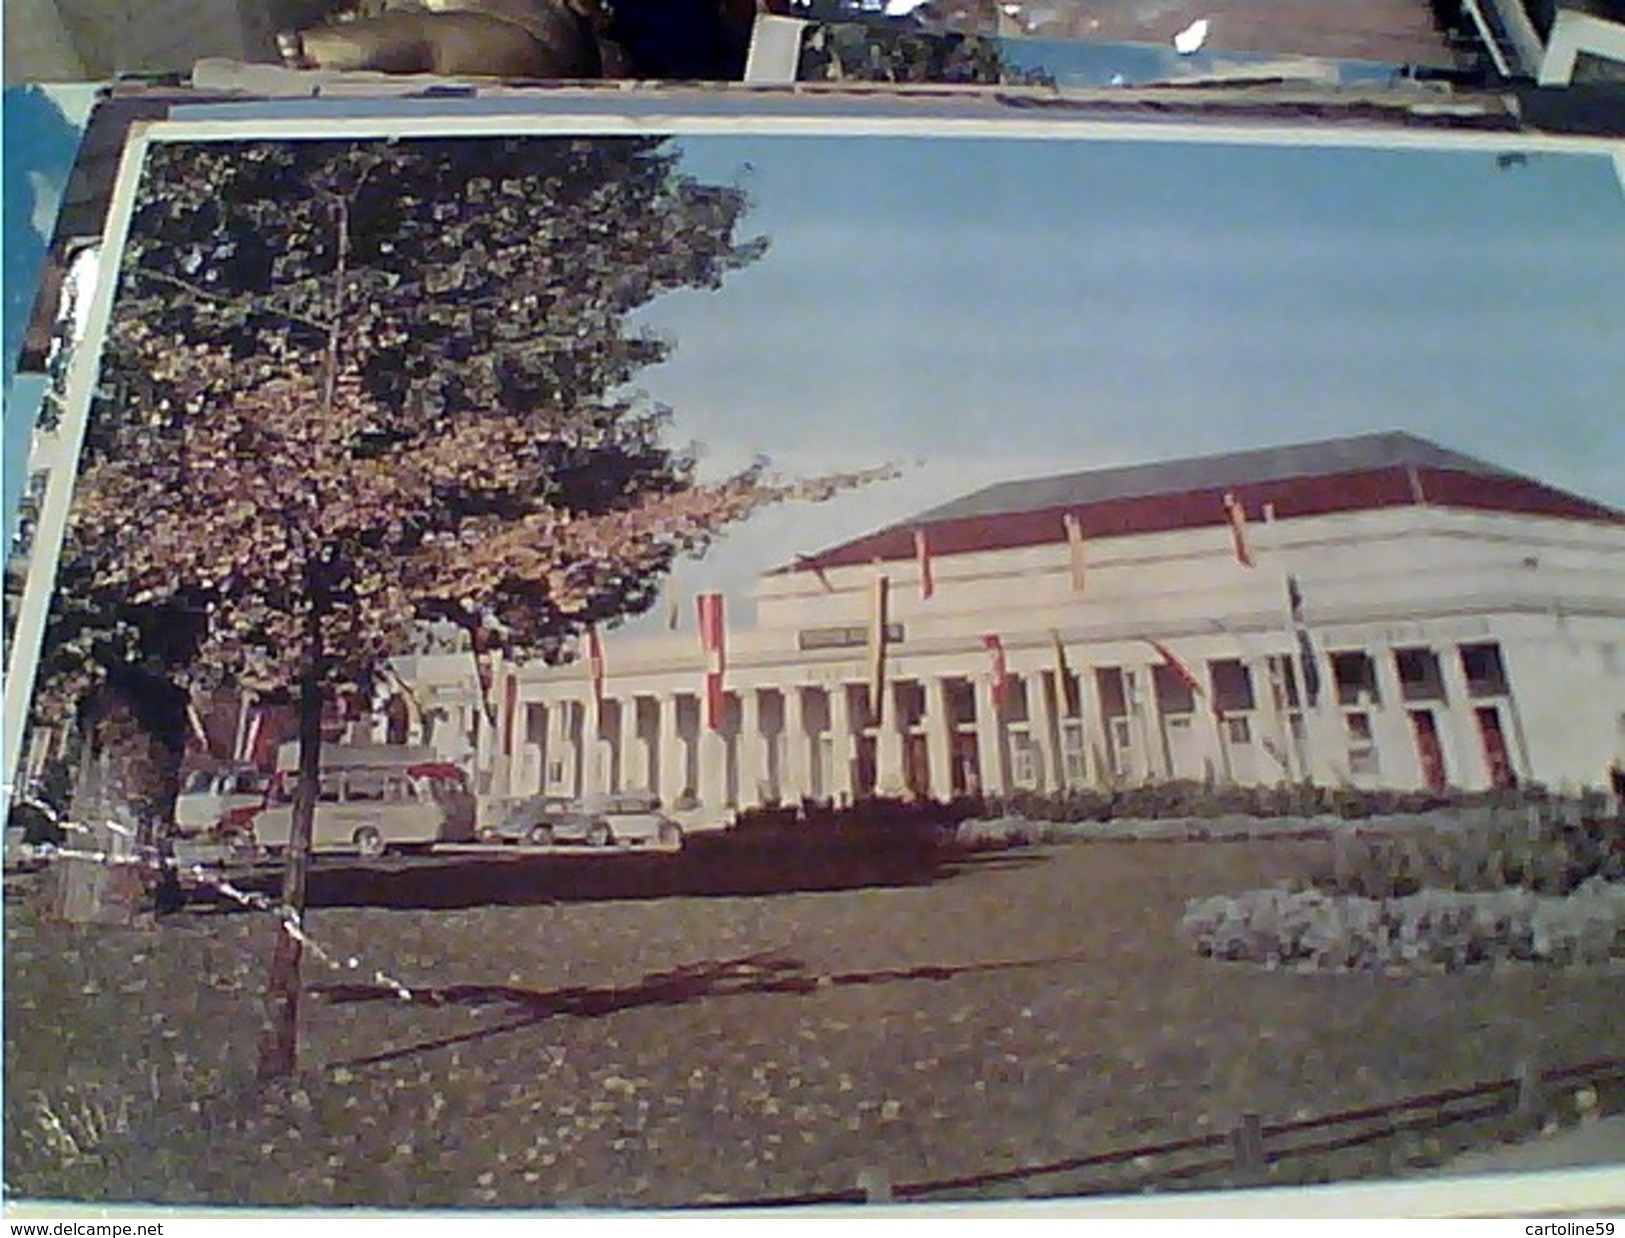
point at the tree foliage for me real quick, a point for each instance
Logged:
(356, 388)
(480, 456)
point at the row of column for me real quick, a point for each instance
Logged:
(656, 742)
(815, 749)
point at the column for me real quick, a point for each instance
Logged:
(798, 780)
(598, 771)
(634, 755)
(889, 780)
(672, 758)
(840, 729)
(713, 765)
(1398, 764)
(939, 729)
(990, 755)
(1275, 756)
(753, 766)
(1043, 709)
(1140, 684)
(1469, 768)
(559, 774)
(1207, 726)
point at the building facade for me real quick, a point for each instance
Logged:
(1372, 612)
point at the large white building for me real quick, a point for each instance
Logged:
(1465, 624)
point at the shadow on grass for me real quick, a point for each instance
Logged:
(706, 867)
(752, 974)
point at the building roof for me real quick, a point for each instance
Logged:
(1367, 472)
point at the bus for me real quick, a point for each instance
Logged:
(371, 800)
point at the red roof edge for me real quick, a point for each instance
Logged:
(1327, 494)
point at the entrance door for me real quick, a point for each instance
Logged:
(917, 766)
(1428, 749)
(865, 781)
(1184, 746)
(1495, 749)
(967, 774)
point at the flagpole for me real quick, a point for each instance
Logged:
(1305, 748)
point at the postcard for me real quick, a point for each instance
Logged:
(655, 661)
(786, 49)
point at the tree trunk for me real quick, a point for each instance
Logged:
(279, 1041)
(279, 1038)
(128, 773)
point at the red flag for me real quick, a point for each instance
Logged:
(595, 663)
(1237, 515)
(922, 556)
(1074, 545)
(1001, 674)
(714, 644)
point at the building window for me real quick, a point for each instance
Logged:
(1362, 745)
(555, 771)
(1232, 686)
(1174, 695)
(961, 702)
(1239, 731)
(1015, 698)
(1295, 727)
(850, 636)
(1023, 759)
(1419, 677)
(1355, 672)
(1485, 673)
(1122, 744)
(1284, 681)
(910, 704)
(1111, 692)
(1077, 769)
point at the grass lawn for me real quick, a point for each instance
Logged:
(1028, 1007)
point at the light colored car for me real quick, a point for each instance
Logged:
(367, 811)
(210, 798)
(597, 821)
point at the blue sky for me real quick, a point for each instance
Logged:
(979, 310)
(987, 310)
(43, 125)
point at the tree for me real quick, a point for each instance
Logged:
(487, 274)
(316, 448)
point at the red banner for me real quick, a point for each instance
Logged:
(714, 644)
(595, 663)
(922, 556)
(1237, 515)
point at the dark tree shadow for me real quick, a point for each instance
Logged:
(706, 867)
(765, 973)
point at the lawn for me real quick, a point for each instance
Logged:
(1023, 1008)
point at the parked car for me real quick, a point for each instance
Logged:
(598, 821)
(372, 799)
(210, 798)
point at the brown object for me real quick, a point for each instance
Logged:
(86, 891)
(455, 38)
